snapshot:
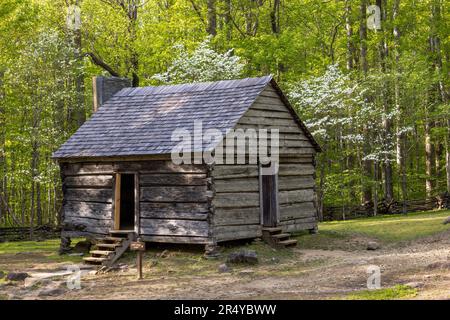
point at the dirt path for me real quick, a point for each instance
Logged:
(313, 274)
(337, 272)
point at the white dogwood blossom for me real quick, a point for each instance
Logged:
(204, 64)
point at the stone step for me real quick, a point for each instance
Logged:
(280, 236)
(118, 239)
(119, 232)
(288, 243)
(96, 260)
(108, 245)
(101, 252)
(272, 230)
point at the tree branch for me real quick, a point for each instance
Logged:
(197, 10)
(102, 64)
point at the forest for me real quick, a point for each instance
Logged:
(368, 78)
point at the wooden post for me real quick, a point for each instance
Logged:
(139, 264)
(138, 246)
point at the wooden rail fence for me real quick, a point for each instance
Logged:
(395, 207)
(23, 233)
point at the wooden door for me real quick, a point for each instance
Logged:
(117, 202)
(269, 200)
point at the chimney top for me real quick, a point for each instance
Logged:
(105, 87)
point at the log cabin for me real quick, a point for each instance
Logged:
(118, 173)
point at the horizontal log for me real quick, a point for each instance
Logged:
(297, 151)
(88, 209)
(298, 226)
(294, 144)
(293, 136)
(286, 129)
(268, 94)
(89, 195)
(174, 194)
(182, 179)
(267, 121)
(89, 181)
(295, 169)
(235, 171)
(88, 222)
(82, 234)
(87, 168)
(188, 211)
(94, 229)
(159, 166)
(224, 233)
(236, 200)
(175, 239)
(237, 185)
(295, 196)
(267, 105)
(268, 114)
(304, 159)
(297, 211)
(286, 183)
(233, 216)
(170, 227)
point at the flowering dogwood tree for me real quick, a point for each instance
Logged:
(204, 64)
(344, 117)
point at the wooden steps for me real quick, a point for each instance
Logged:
(110, 248)
(275, 237)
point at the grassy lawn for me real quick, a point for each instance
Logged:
(47, 249)
(386, 229)
(397, 292)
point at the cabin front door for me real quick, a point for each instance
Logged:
(125, 201)
(269, 199)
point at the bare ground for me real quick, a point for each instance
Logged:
(306, 274)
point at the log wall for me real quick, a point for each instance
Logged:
(237, 199)
(236, 202)
(174, 203)
(173, 200)
(87, 205)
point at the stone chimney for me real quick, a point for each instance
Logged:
(105, 87)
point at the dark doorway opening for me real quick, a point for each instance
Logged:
(127, 204)
(269, 199)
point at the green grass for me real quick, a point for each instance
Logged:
(29, 246)
(47, 249)
(397, 292)
(386, 229)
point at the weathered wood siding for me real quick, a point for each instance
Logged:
(174, 203)
(87, 190)
(296, 187)
(237, 200)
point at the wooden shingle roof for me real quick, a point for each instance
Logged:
(140, 121)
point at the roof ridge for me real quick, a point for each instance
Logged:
(194, 87)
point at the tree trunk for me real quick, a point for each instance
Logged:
(375, 189)
(428, 158)
(38, 204)
(447, 156)
(2, 144)
(275, 17)
(349, 30)
(387, 123)
(212, 18)
(132, 30)
(401, 135)
(367, 166)
(228, 22)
